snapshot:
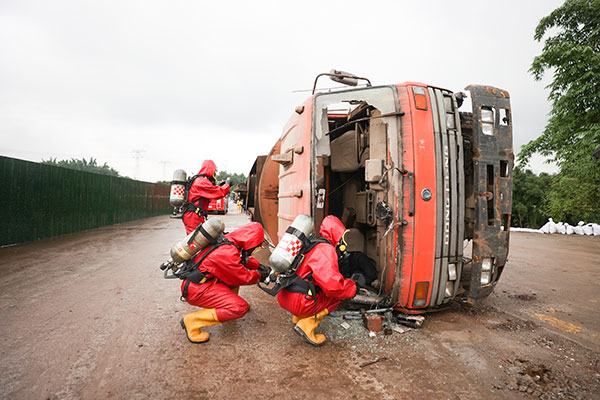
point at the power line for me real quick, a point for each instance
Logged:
(164, 164)
(137, 154)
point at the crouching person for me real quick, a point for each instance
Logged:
(221, 269)
(319, 268)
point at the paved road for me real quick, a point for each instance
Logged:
(89, 316)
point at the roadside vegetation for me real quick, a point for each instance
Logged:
(83, 165)
(571, 54)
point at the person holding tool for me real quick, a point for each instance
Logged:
(219, 270)
(203, 188)
(319, 268)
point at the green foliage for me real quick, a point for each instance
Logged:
(571, 200)
(83, 165)
(561, 197)
(530, 198)
(235, 179)
(572, 54)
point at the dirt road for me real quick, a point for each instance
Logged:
(89, 316)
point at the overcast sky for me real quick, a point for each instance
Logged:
(152, 86)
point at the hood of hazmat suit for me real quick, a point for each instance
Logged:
(332, 229)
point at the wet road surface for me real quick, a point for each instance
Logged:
(89, 316)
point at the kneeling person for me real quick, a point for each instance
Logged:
(320, 266)
(221, 272)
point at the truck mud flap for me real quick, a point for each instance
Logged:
(493, 160)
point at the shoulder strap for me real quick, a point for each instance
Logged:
(307, 246)
(191, 180)
(220, 243)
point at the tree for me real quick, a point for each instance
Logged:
(572, 53)
(570, 201)
(530, 198)
(83, 165)
(235, 178)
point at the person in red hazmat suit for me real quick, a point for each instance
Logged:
(220, 273)
(322, 263)
(203, 189)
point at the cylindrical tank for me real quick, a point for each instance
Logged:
(196, 241)
(177, 197)
(290, 244)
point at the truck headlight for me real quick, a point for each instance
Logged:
(486, 264)
(485, 278)
(486, 270)
(449, 292)
(452, 272)
(487, 120)
(450, 122)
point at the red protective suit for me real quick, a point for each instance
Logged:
(322, 262)
(201, 192)
(223, 265)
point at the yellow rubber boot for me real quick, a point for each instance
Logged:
(295, 319)
(305, 327)
(192, 323)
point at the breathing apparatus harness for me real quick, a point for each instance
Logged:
(192, 206)
(290, 280)
(190, 271)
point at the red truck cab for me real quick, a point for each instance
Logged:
(218, 206)
(426, 191)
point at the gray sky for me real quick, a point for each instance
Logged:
(183, 81)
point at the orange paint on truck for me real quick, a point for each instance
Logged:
(402, 178)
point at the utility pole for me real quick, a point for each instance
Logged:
(137, 154)
(164, 164)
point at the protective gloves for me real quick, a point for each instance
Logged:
(359, 281)
(264, 272)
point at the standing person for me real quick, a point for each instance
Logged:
(203, 189)
(220, 271)
(320, 267)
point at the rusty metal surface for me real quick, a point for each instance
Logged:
(493, 160)
(251, 188)
(267, 188)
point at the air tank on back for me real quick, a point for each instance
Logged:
(177, 197)
(187, 248)
(290, 244)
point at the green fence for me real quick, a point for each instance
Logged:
(39, 201)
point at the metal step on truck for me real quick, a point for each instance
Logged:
(425, 190)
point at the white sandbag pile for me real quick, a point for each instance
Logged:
(514, 229)
(564, 228)
(549, 227)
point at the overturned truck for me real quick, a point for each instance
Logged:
(425, 190)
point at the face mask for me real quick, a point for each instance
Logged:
(248, 253)
(342, 246)
(257, 248)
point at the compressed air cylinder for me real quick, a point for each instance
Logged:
(177, 197)
(196, 241)
(290, 244)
